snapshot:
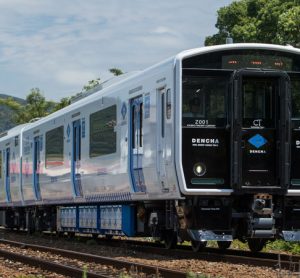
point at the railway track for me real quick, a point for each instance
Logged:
(263, 259)
(151, 271)
(275, 261)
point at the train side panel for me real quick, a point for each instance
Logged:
(45, 164)
(10, 193)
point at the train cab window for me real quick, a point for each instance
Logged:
(295, 92)
(103, 138)
(258, 101)
(203, 101)
(54, 148)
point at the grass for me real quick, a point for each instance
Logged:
(281, 245)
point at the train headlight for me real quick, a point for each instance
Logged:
(199, 169)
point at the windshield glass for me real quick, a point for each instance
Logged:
(203, 102)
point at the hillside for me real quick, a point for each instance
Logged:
(6, 114)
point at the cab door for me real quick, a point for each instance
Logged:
(261, 131)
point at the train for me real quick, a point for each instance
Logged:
(202, 146)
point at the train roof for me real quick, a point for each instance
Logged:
(12, 132)
(233, 46)
(102, 90)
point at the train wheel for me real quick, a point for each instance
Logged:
(60, 234)
(170, 239)
(71, 235)
(108, 237)
(223, 245)
(95, 236)
(198, 245)
(256, 244)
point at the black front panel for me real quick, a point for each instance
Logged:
(245, 58)
(259, 134)
(205, 136)
(259, 158)
(209, 148)
(261, 131)
(295, 142)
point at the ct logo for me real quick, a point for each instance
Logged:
(257, 123)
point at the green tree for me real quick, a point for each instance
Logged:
(95, 82)
(90, 85)
(62, 103)
(266, 21)
(36, 107)
(116, 71)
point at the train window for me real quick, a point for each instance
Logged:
(133, 126)
(295, 91)
(54, 149)
(103, 138)
(16, 141)
(0, 164)
(204, 100)
(163, 115)
(141, 124)
(169, 104)
(258, 101)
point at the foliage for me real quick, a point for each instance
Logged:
(84, 273)
(95, 82)
(266, 21)
(116, 71)
(281, 245)
(91, 84)
(36, 106)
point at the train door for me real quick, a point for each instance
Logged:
(76, 157)
(36, 167)
(160, 136)
(295, 124)
(7, 175)
(261, 130)
(136, 144)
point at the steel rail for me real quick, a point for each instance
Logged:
(50, 266)
(148, 269)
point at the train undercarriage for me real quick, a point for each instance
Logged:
(254, 219)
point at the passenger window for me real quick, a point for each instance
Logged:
(0, 164)
(163, 115)
(169, 104)
(54, 147)
(133, 126)
(141, 124)
(103, 138)
(16, 141)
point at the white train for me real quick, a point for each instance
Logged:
(203, 146)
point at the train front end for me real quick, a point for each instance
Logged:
(239, 158)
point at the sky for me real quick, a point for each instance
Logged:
(59, 45)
